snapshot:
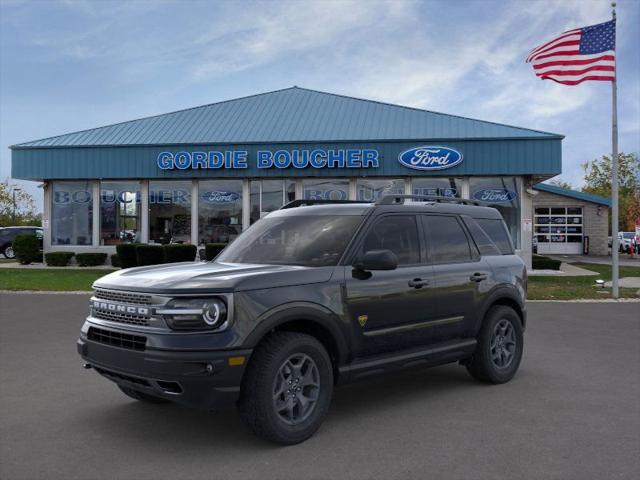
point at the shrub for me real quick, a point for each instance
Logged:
(149, 255)
(58, 259)
(545, 263)
(27, 248)
(115, 260)
(90, 259)
(213, 249)
(179, 253)
(127, 255)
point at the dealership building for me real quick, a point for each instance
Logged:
(203, 175)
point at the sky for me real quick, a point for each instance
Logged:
(72, 65)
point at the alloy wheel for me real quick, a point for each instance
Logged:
(503, 344)
(296, 389)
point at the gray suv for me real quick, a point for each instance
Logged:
(314, 295)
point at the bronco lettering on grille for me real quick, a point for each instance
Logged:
(117, 308)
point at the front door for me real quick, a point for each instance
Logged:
(388, 310)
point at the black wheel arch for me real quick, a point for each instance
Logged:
(303, 317)
(508, 297)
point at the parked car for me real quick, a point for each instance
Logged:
(625, 239)
(7, 234)
(309, 297)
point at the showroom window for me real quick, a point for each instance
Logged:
(72, 213)
(503, 194)
(219, 211)
(437, 187)
(326, 189)
(268, 195)
(170, 212)
(369, 190)
(119, 212)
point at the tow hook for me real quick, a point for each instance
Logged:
(86, 366)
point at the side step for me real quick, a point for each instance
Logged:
(436, 354)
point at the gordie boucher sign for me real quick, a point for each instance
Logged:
(418, 158)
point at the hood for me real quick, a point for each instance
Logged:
(190, 277)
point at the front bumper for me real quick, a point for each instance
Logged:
(201, 379)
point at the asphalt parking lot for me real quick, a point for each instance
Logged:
(571, 412)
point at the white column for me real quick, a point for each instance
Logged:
(353, 191)
(466, 190)
(408, 186)
(46, 216)
(194, 212)
(246, 203)
(299, 190)
(526, 223)
(144, 211)
(95, 241)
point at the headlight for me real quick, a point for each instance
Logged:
(194, 313)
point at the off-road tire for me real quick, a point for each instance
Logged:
(141, 396)
(256, 402)
(481, 365)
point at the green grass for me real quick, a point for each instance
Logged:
(540, 287)
(570, 288)
(49, 279)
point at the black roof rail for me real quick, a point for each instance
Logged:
(302, 203)
(399, 199)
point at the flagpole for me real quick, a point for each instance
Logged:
(614, 177)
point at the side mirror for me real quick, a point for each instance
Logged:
(377, 260)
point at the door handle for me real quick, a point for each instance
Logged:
(418, 283)
(478, 277)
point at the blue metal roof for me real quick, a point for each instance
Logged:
(565, 192)
(289, 116)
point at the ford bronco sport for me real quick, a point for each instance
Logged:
(311, 296)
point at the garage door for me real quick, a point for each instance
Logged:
(558, 229)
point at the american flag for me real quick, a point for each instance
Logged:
(587, 53)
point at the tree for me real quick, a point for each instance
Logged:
(25, 207)
(597, 180)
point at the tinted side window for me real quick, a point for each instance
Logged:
(497, 232)
(397, 233)
(446, 239)
(481, 239)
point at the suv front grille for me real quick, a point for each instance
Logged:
(123, 297)
(128, 318)
(117, 339)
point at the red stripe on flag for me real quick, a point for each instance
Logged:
(557, 45)
(565, 34)
(569, 51)
(600, 68)
(576, 82)
(574, 62)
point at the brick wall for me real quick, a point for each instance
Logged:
(595, 226)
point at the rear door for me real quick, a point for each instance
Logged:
(388, 310)
(461, 277)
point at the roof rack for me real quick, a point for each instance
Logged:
(399, 199)
(302, 203)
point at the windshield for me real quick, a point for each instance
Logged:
(628, 234)
(315, 241)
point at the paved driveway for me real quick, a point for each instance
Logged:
(571, 412)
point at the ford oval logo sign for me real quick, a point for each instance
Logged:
(495, 195)
(220, 197)
(430, 158)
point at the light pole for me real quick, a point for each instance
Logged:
(14, 203)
